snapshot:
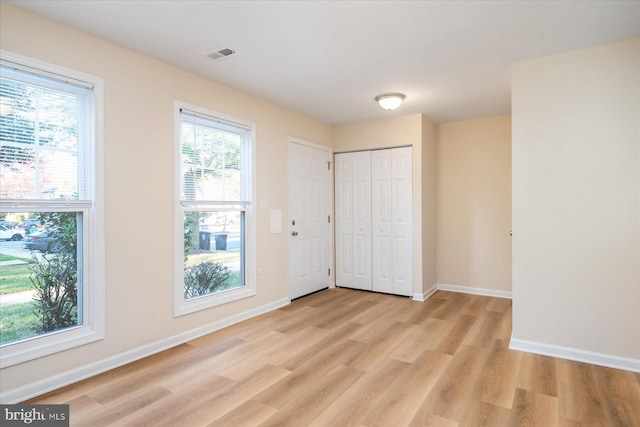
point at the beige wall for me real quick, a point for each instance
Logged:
(429, 241)
(418, 131)
(139, 199)
(576, 200)
(473, 203)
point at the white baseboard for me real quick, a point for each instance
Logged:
(577, 355)
(426, 294)
(69, 377)
(474, 291)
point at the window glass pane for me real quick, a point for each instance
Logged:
(211, 160)
(40, 281)
(41, 131)
(188, 151)
(211, 185)
(17, 172)
(231, 146)
(213, 251)
(58, 177)
(232, 184)
(58, 119)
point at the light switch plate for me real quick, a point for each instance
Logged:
(276, 222)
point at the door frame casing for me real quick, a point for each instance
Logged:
(330, 195)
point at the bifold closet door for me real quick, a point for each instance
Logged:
(391, 201)
(353, 220)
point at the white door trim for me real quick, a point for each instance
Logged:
(312, 145)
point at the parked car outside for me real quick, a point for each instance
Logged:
(30, 226)
(11, 234)
(8, 224)
(41, 241)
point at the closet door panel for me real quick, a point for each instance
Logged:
(401, 209)
(353, 220)
(362, 220)
(343, 219)
(381, 217)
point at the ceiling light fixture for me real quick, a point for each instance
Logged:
(390, 101)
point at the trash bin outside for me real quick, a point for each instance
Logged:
(205, 240)
(221, 242)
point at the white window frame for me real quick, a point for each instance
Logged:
(182, 306)
(92, 324)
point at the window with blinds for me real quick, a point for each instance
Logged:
(214, 160)
(43, 125)
(214, 207)
(48, 140)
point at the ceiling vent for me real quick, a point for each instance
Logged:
(222, 53)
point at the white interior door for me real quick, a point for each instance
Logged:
(391, 176)
(309, 212)
(353, 219)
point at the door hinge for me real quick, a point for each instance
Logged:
(328, 165)
(329, 219)
(329, 272)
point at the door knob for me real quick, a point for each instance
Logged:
(294, 233)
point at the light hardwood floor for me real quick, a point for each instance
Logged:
(345, 357)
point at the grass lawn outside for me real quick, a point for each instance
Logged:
(222, 257)
(232, 282)
(4, 257)
(16, 322)
(15, 278)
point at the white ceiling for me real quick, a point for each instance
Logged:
(329, 59)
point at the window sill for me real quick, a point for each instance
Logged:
(34, 348)
(183, 307)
